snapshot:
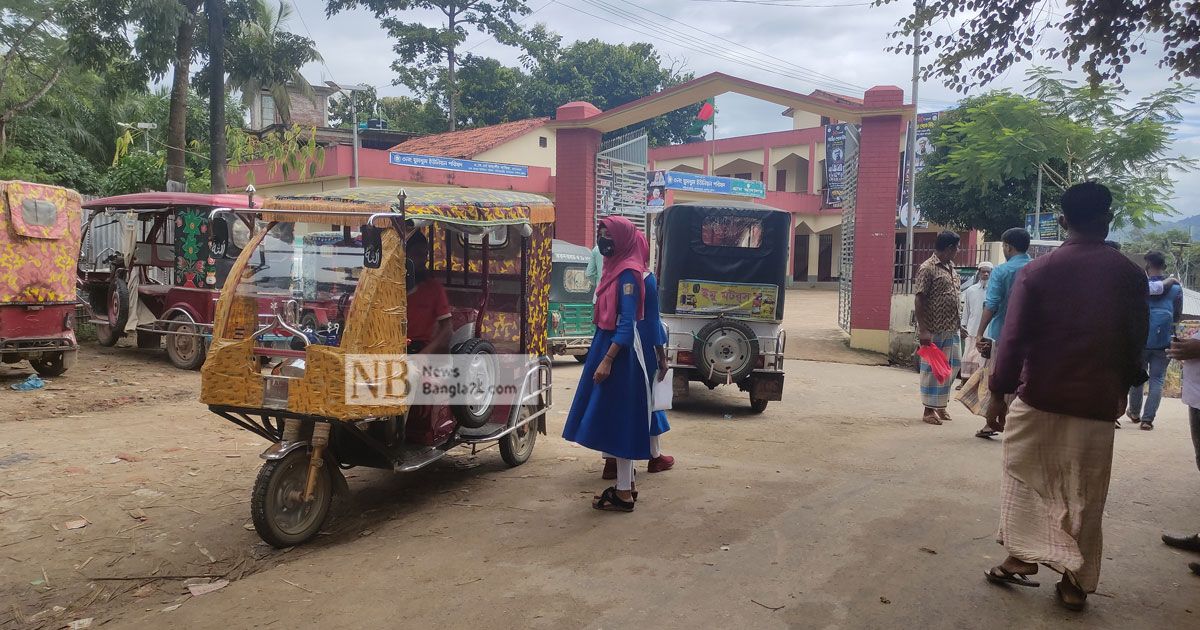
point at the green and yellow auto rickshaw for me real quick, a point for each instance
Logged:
(571, 292)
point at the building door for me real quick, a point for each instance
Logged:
(800, 258)
(825, 258)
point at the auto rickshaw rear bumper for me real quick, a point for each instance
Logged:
(29, 329)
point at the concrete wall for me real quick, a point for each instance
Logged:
(902, 337)
(805, 120)
(525, 150)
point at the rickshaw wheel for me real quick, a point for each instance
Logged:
(281, 517)
(482, 361)
(582, 358)
(726, 351)
(185, 351)
(117, 311)
(758, 405)
(50, 363)
(516, 447)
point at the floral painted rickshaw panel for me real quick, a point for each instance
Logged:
(193, 267)
(39, 242)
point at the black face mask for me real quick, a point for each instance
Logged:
(606, 245)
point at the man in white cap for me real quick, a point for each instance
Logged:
(971, 313)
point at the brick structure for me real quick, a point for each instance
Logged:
(875, 220)
(575, 194)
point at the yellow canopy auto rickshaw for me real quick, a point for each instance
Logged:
(348, 392)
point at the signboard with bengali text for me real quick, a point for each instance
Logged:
(754, 301)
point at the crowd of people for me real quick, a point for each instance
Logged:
(1068, 342)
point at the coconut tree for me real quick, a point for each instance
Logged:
(263, 56)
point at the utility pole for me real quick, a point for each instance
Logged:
(216, 92)
(1037, 208)
(910, 151)
(352, 89)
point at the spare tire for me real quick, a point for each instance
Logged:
(725, 351)
(481, 367)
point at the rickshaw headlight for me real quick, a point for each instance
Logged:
(69, 321)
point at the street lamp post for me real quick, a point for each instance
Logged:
(354, 122)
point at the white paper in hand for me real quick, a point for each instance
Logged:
(662, 392)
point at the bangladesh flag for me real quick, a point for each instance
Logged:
(707, 110)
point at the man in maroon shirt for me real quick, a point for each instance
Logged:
(428, 306)
(1077, 321)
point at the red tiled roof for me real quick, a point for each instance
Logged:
(468, 143)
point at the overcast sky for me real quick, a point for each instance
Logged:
(801, 48)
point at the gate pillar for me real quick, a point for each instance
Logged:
(875, 221)
(575, 175)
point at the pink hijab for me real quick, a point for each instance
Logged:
(628, 254)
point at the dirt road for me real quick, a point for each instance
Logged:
(835, 509)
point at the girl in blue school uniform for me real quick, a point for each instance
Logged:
(653, 336)
(611, 410)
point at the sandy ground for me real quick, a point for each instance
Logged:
(810, 320)
(837, 508)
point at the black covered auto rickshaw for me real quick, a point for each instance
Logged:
(722, 270)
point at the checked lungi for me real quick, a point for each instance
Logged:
(933, 394)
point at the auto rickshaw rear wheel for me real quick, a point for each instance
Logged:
(281, 516)
(481, 366)
(116, 311)
(184, 348)
(582, 358)
(725, 351)
(516, 447)
(758, 405)
(50, 363)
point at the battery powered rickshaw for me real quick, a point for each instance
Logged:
(39, 236)
(722, 273)
(335, 397)
(571, 294)
(146, 268)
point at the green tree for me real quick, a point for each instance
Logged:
(43, 41)
(412, 115)
(607, 76)
(421, 50)
(264, 56)
(995, 35)
(1183, 256)
(1000, 141)
(492, 93)
(366, 103)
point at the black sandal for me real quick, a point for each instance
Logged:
(1008, 577)
(610, 502)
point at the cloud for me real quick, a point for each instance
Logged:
(846, 43)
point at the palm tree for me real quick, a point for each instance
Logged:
(264, 56)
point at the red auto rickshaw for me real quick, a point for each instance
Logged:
(146, 269)
(39, 235)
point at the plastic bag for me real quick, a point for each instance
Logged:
(29, 384)
(937, 362)
(662, 392)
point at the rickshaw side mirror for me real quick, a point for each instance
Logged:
(372, 240)
(218, 236)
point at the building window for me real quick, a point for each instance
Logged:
(268, 110)
(743, 176)
(781, 180)
(542, 142)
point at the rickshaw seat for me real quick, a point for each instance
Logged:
(154, 289)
